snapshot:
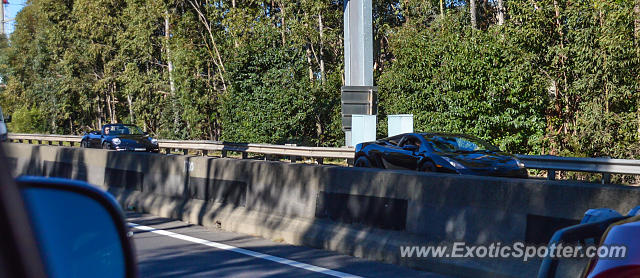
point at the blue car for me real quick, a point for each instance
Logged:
(439, 152)
(120, 137)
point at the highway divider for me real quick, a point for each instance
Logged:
(549, 163)
(368, 213)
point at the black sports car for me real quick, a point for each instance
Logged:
(120, 137)
(439, 152)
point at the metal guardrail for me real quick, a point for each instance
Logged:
(283, 150)
(20, 137)
(318, 153)
(606, 166)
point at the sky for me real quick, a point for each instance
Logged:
(10, 11)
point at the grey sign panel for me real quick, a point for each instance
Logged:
(358, 100)
(358, 109)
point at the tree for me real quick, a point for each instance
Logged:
(555, 76)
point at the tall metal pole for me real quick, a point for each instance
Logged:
(358, 53)
(358, 43)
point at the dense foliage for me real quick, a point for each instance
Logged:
(536, 76)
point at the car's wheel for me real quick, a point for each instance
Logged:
(363, 162)
(427, 166)
(106, 146)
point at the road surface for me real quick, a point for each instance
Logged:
(170, 248)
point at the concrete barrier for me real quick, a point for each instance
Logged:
(363, 212)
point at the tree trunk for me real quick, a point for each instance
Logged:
(235, 38)
(562, 75)
(442, 8)
(167, 32)
(472, 10)
(53, 124)
(500, 12)
(108, 96)
(319, 129)
(309, 62)
(114, 100)
(309, 47)
(99, 118)
(407, 17)
(218, 57)
(636, 22)
(172, 87)
(321, 27)
(131, 115)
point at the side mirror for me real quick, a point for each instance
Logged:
(7, 119)
(80, 229)
(582, 233)
(412, 148)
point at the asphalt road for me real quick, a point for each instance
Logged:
(169, 248)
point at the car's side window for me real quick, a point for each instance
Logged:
(395, 141)
(415, 141)
(464, 144)
(410, 140)
(403, 141)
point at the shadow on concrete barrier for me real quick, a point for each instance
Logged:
(367, 213)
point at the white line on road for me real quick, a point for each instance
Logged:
(244, 251)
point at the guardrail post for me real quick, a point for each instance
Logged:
(167, 150)
(606, 178)
(185, 151)
(319, 160)
(350, 161)
(60, 143)
(244, 155)
(204, 153)
(293, 159)
(50, 142)
(224, 153)
(20, 140)
(551, 175)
